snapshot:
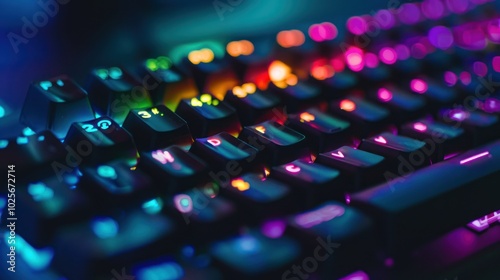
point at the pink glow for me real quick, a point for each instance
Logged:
(162, 156)
(358, 275)
(493, 30)
(183, 203)
(446, 157)
(338, 64)
(465, 77)
(385, 19)
(457, 6)
(338, 154)
(474, 157)
(273, 229)
(356, 25)
(418, 51)
(384, 94)
(458, 114)
(418, 86)
(323, 214)
(388, 55)
(371, 60)
(215, 142)
(380, 139)
(450, 78)
(323, 31)
(480, 68)
(432, 9)
(409, 13)
(441, 37)
(420, 126)
(389, 262)
(470, 36)
(495, 62)
(483, 223)
(402, 51)
(354, 59)
(347, 198)
(292, 168)
(491, 105)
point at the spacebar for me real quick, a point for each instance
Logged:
(436, 199)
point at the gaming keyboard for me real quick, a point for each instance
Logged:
(368, 150)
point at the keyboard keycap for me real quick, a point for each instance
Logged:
(278, 143)
(156, 128)
(323, 131)
(101, 140)
(114, 92)
(362, 168)
(207, 116)
(404, 105)
(55, 104)
(298, 97)
(436, 199)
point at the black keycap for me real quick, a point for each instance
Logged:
(106, 243)
(438, 95)
(101, 140)
(337, 234)
(443, 139)
(398, 149)
(253, 105)
(323, 131)
(479, 126)
(278, 143)
(299, 96)
(175, 168)
(404, 105)
(438, 198)
(312, 181)
(47, 205)
(362, 168)
(115, 184)
(259, 197)
(157, 127)
(255, 256)
(54, 105)
(113, 92)
(365, 117)
(338, 85)
(207, 115)
(38, 154)
(223, 151)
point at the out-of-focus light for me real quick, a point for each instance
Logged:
(183, 203)
(418, 51)
(104, 227)
(441, 37)
(356, 25)
(358, 275)
(385, 19)
(240, 184)
(409, 13)
(493, 30)
(279, 71)
(338, 64)
(307, 117)
(318, 216)
(347, 105)
(106, 171)
(491, 105)
(274, 228)
(495, 62)
(321, 70)
(260, 129)
(290, 38)
(458, 114)
(470, 36)
(402, 51)
(355, 59)
(388, 55)
(371, 60)
(40, 191)
(384, 94)
(153, 206)
(450, 78)
(465, 78)
(237, 48)
(323, 31)
(480, 68)
(418, 86)
(292, 80)
(457, 6)
(432, 9)
(198, 56)
(161, 62)
(420, 126)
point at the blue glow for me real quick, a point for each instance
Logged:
(60, 83)
(184, 202)
(2, 112)
(153, 206)
(106, 171)
(4, 143)
(40, 191)
(97, 115)
(115, 73)
(247, 244)
(163, 271)
(41, 138)
(71, 179)
(36, 259)
(28, 131)
(188, 251)
(22, 140)
(46, 85)
(104, 227)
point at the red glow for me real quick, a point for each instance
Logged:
(339, 65)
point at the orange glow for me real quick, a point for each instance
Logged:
(240, 184)
(204, 55)
(307, 117)
(237, 48)
(347, 105)
(243, 90)
(321, 70)
(279, 71)
(261, 129)
(290, 38)
(266, 171)
(292, 80)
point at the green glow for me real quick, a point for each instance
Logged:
(102, 73)
(45, 85)
(163, 271)
(182, 51)
(4, 143)
(36, 259)
(2, 112)
(106, 171)
(151, 64)
(60, 83)
(153, 206)
(28, 132)
(161, 62)
(115, 73)
(40, 191)
(105, 227)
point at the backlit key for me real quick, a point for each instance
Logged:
(207, 115)
(404, 105)
(157, 127)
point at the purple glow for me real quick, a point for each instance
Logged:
(183, 203)
(323, 214)
(418, 51)
(389, 262)
(347, 199)
(458, 114)
(385, 19)
(441, 37)
(495, 62)
(371, 60)
(457, 6)
(338, 154)
(484, 222)
(480, 68)
(450, 78)
(409, 13)
(470, 36)
(418, 86)
(388, 55)
(380, 139)
(465, 77)
(384, 95)
(356, 25)
(432, 9)
(273, 229)
(491, 105)
(493, 30)
(446, 157)
(402, 51)
(358, 275)
(464, 161)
